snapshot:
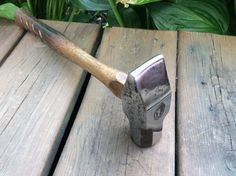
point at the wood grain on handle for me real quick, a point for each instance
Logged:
(112, 78)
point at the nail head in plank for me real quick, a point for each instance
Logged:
(38, 90)
(206, 104)
(99, 142)
(10, 33)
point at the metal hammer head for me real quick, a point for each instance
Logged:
(146, 101)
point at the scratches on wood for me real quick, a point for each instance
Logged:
(206, 106)
(99, 142)
(37, 94)
(38, 89)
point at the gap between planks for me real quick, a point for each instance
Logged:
(77, 106)
(10, 36)
(37, 97)
(99, 142)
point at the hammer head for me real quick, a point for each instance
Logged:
(146, 101)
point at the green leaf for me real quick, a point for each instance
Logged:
(28, 4)
(192, 15)
(213, 11)
(10, 1)
(8, 11)
(83, 16)
(135, 2)
(93, 5)
(25, 6)
(129, 16)
(111, 19)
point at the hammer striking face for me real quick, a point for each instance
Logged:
(146, 101)
(145, 92)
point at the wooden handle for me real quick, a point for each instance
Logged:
(112, 78)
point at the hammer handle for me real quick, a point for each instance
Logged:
(112, 78)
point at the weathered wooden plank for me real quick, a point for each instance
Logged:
(38, 89)
(206, 105)
(9, 36)
(99, 143)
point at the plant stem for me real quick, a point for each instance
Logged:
(35, 6)
(116, 13)
(30, 6)
(48, 11)
(147, 18)
(72, 14)
(54, 7)
(62, 4)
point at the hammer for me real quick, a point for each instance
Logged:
(145, 91)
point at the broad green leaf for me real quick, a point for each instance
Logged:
(93, 5)
(135, 2)
(213, 11)
(8, 11)
(192, 15)
(129, 16)
(178, 1)
(111, 19)
(84, 17)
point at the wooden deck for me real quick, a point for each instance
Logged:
(56, 120)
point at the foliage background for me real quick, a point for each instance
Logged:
(215, 16)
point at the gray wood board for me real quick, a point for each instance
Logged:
(206, 105)
(99, 142)
(10, 34)
(38, 90)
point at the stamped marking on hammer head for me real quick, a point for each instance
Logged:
(146, 100)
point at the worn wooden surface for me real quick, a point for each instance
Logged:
(108, 76)
(206, 105)
(38, 90)
(10, 34)
(99, 143)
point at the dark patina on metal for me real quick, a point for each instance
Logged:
(146, 101)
